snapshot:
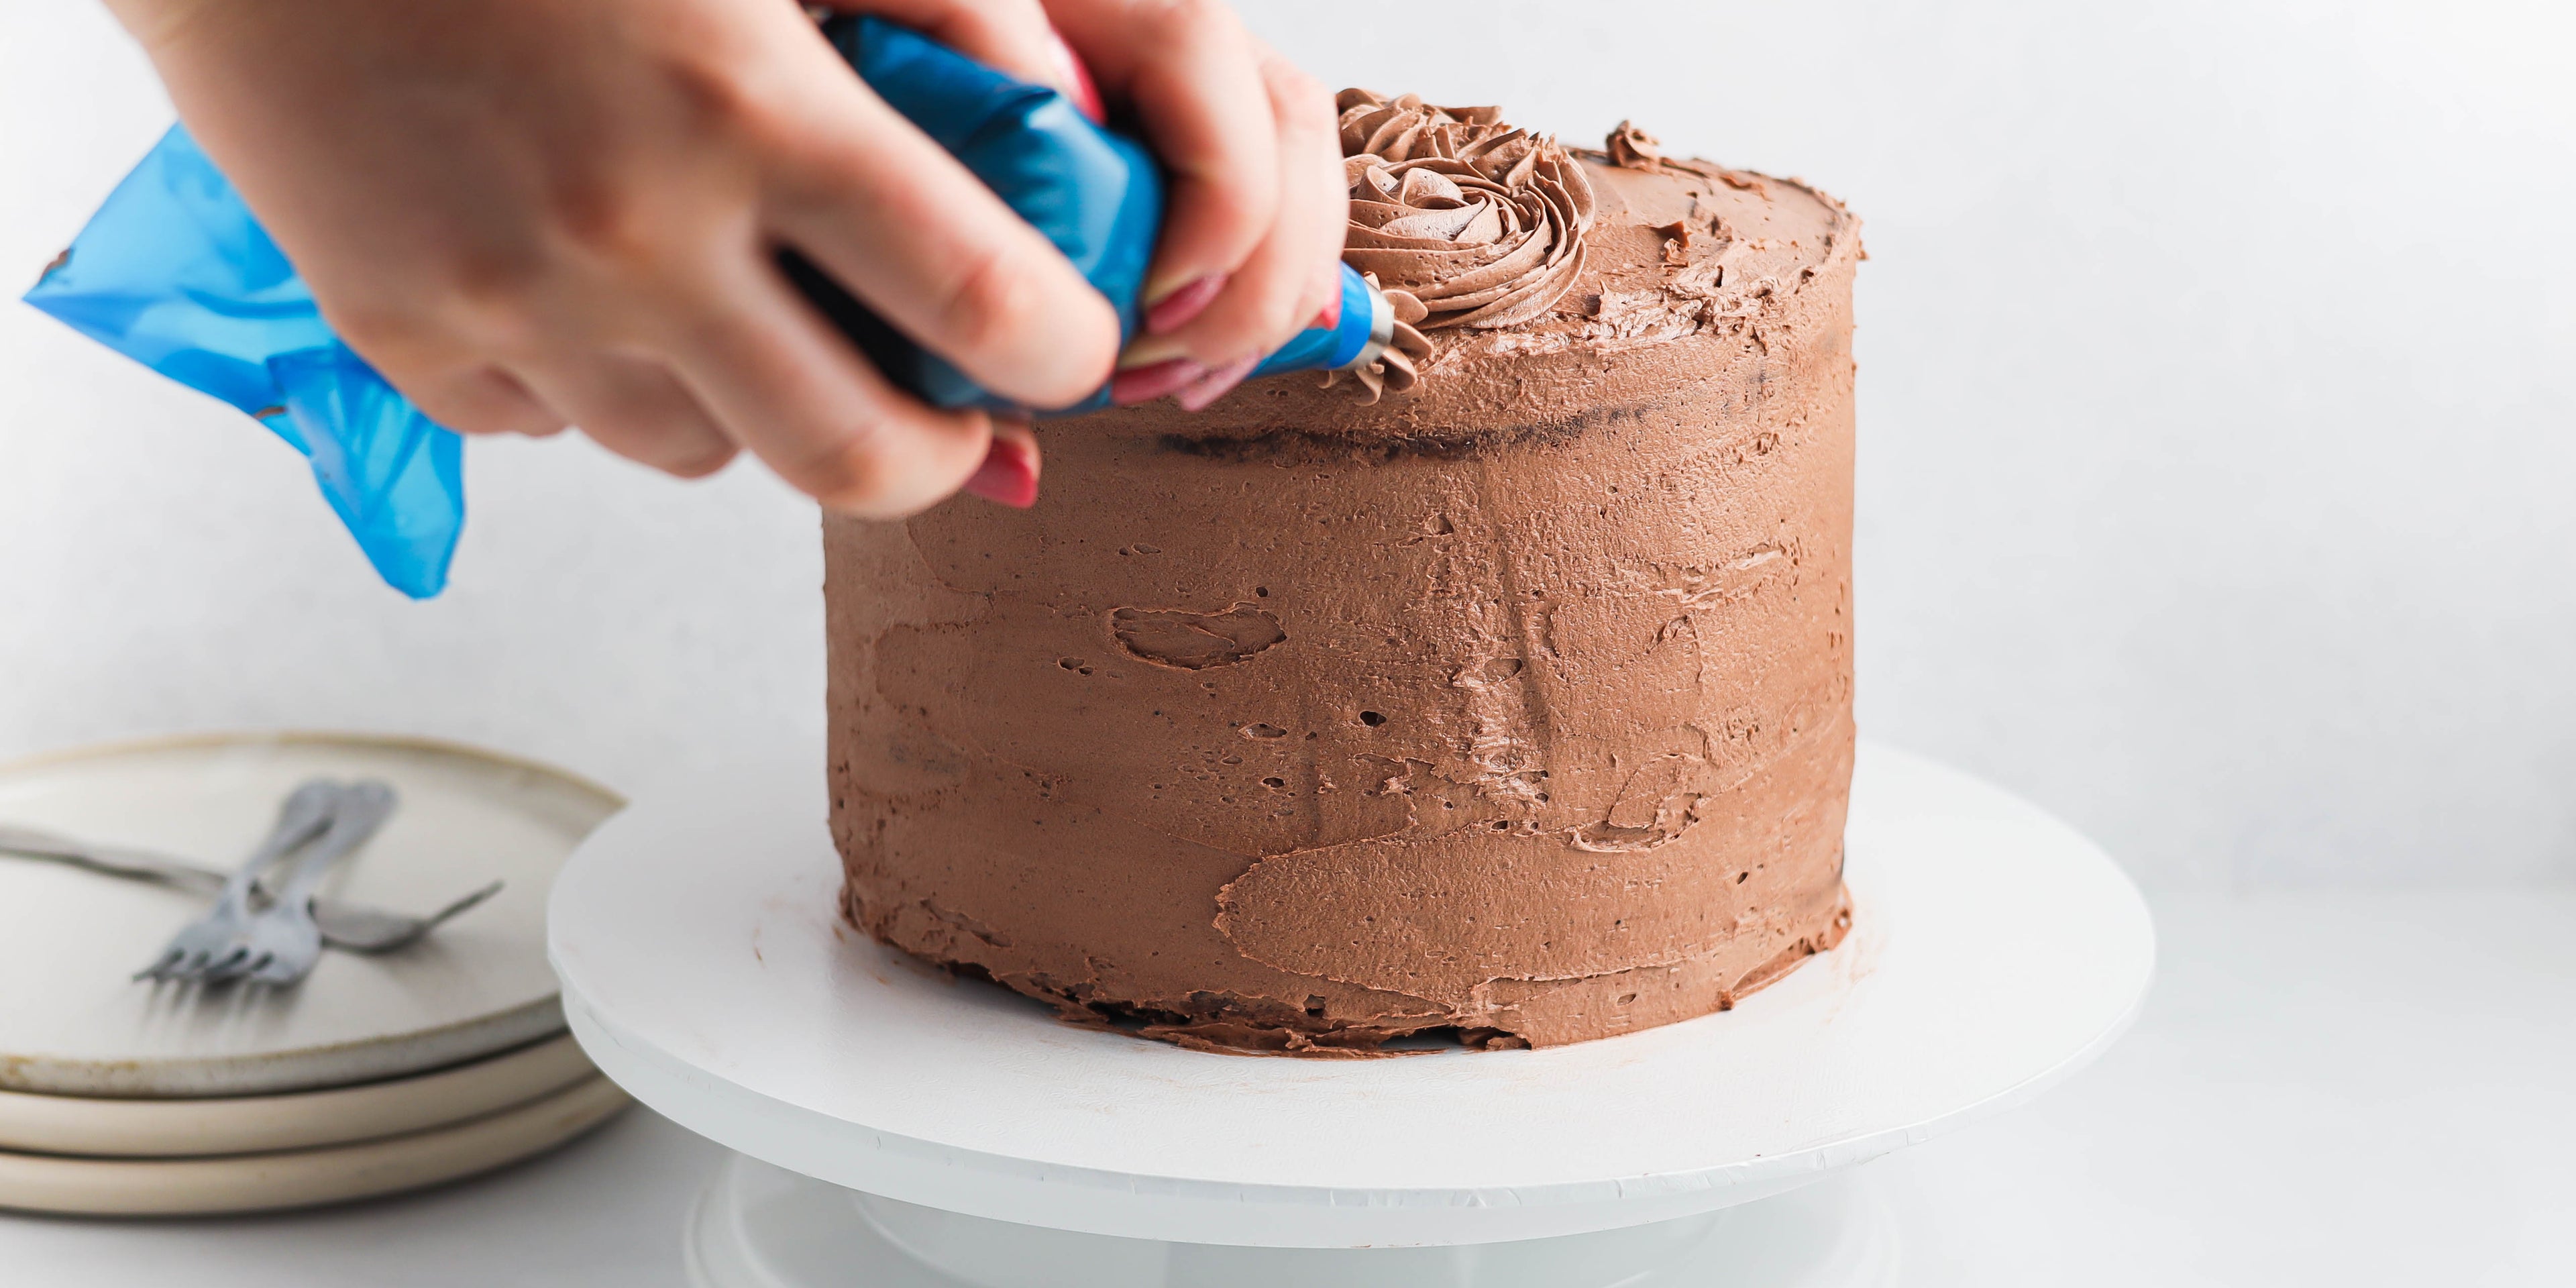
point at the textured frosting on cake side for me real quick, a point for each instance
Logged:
(1516, 703)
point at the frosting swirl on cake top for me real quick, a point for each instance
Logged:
(1464, 220)
(1481, 221)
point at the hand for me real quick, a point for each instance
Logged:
(529, 213)
(1252, 241)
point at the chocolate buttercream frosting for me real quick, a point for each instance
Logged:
(1514, 710)
(1631, 148)
(1463, 220)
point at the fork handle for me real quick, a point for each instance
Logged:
(363, 807)
(308, 812)
(354, 927)
(133, 865)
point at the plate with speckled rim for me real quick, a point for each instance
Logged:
(73, 1022)
(304, 1177)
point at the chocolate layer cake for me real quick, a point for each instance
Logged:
(1501, 694)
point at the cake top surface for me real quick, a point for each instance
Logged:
(1537, 282)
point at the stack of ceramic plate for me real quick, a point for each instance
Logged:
(376, 1074)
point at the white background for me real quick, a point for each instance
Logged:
(2216, 415)
(2218, 430)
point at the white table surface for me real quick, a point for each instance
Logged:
(2327, 1088)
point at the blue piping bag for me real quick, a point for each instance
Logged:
(1095, 193)
(176, 273)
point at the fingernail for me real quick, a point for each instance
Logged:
(1009, 474)
(1216, 384)
(1079, 86)
(1149, 350)
(1174, 311)
(1331, 314)
(1145, 384)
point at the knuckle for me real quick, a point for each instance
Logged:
(603, 222)
(844, 471)
(469, 406)
(483, 416)
(611, 217)
(607, 236)
(495, 296)
(989, 24)
(789, 139)
(700, 459)
(1228, 219)
(1244, 208)
(659, 446)
(405, 339)
(476, 422)
(990, 305)
(807, 167)
(389, 335)
(1177, 21)
(711, 84)
(1270, 310)
(1295, 95)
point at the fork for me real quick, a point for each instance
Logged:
(281, 942)
(349, 927)
(306, 812)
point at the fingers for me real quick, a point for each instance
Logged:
(548, 212)
(793, 391)
(1290, 275)
(1192, 73)
(481, 400)
(891, 216)
(636, 408)
(1009, 474)
(1258, 203)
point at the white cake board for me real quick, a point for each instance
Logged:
(1993, 952)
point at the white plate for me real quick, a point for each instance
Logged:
(1993, 951)
(297, 1120)
(72, 1021)
(302, 1178)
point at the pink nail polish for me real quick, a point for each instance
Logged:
(1216, 384)
(1147, 383)
(1175, 310)
(1079, 86)
(1009, 474)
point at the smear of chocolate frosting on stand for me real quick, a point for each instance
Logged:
(1510, 708)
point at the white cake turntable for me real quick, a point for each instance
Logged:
(898, 1128)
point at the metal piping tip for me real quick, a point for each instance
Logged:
(1381, 331)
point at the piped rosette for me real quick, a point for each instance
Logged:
(1460, 219)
